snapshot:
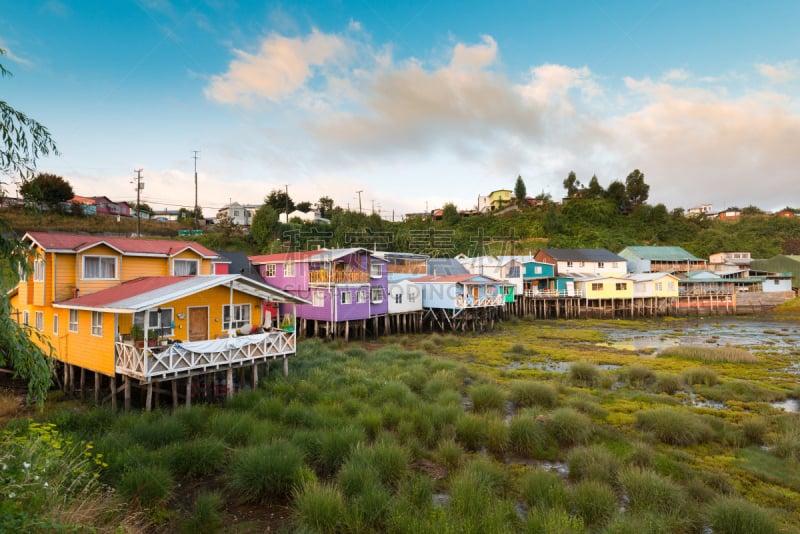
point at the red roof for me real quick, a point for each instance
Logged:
(283, 257)
(123, 291)
(454, 279)
(126, 245)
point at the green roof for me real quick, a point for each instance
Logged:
(658, 254)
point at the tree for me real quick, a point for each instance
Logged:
(617, 194)
(265, 225)
(520, 192)
(636, 190)
(572, 184)
(22, 141)
(280, 201)
(450, 215)
(48, 189)
(595, 190)
(325, 206)
(304, 206)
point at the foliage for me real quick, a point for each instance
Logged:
(674, 426)
(280, 201)
(268, 471)
(730, 515)
(48, 189)
(520, 192)
(710, 354)
(264, 226)
(593, 501)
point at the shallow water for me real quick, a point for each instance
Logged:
(789, 405)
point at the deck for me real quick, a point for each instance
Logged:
(180, 360)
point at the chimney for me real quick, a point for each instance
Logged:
(75, 292)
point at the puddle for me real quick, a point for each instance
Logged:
(789, 405)
(563, 367)
(699, 402)
(559, 468)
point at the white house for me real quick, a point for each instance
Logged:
(240, 214)
(404, 295)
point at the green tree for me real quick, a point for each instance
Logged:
(48, 189)
(617, 194)
(636, 190)
(595, 190)
(572, 184)
(450, 215)
(519, 191)
(280, 201)
(304, 206)
(22, 141)
(265, 225)
(325, 206)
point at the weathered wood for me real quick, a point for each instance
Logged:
(148, 399)
(126, 383)
(113, 384)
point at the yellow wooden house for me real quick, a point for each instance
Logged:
(604, 287)
(147, 309)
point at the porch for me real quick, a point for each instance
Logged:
(181, 360)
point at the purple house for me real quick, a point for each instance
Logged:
(342, 284)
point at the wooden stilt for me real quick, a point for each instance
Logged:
(229, 383)
(189, 392)
(97, 381)
(255, 376)
(82, 386)
(126, 382)
(113, 382)
(148, 399)
(174, 393)
(285, 366)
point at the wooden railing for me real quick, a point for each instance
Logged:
(483, 302)
(547, 293)
(186, 359)
(323, 276)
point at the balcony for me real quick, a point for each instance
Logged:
(484, 302)
(322, 276)
(178, 360)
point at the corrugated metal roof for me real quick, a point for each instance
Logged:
(659, 253)
(307, 255)
(126, 245)
(582, 254)
(648, 277)
(457, 279)
(445, 267)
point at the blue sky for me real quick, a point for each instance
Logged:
(413, 103)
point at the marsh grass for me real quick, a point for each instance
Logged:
(569, 427)
(199, 457)
(667, 383)
(648, 491)
(475, 505)
(638, 376)
(528, 437)
(594, 462)
(584, 374)
(146, 485)
(487, 398)
(526, 394)
(740, 390)
(674, 426)
(319, 508)
(497, 436)
(544, 490)
(595, 502)
(207, 514)
(786, 442)
(731, 515)
(553, 521)
(264, 472)
(709, 354)
(234, 428)
(700, 376)
(471, 432)
(450, 454)
(157, 431)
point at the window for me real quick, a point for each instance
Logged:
(100, 267)
(160, 319)
(412, 295)
(235, 213)
(318, 299)
(671, 286)
(597, 286)
(361, 296)
(398, 298)
(288, 268)
(601, 264)
(185, 267)
(73, 320)
(776, 282)
(97, 324)
(269, 270)
(38, 318)
(26, 318)
(537, 269)
(55, 325)
(38, 271)
(569, 264)
(346, 297)
(513, 272)
(375, 270)
(659, 286)
(622, 286)
(376, 295)
(241, 316)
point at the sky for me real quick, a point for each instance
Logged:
(403, 106)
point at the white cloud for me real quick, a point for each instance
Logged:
(281, 67)
(780, 72)
(676, 75)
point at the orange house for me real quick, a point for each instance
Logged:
(146, 309)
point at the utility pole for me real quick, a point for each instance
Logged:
(196, 225)
(139, 187)
(359, 199)
(287, 203)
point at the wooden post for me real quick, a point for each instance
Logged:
(126, 382)
(229, 382)
(347, 330)
(188, 391)
(174, 392)
(285, 366)
(113, 393)
(255, 376)
(97, 382)
(148, 399)
(83, 382)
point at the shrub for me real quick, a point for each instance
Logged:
(527, 394)
(390, 460)
(471, 432)
(786, 442)
(298, 415)
(641, 455)
(594, 501)
(207, 514)
(267, 471)
(319, 508)
(495, 476)
(650, 492)
(527, 437)
(639, 376)
(584, 374)
(475, 507)
(569, 427)
(544, 490)
(666, 383)
(394, 392)
(594, 462)
(728, 515)
(368, 510)
(146, 485)
(700, 375)
(674, 426)
(196, 458)
(487, 397)
(335, 447)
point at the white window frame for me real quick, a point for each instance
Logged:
(38, 320)
(181, 262)
(73, 320)
(318, 299)
(269, 270)
(361, 296)
(154, 318)
(537, 269)
(376, 295)
(621, 286)
(55, 325)
(97, 324)
(375, 269)
(239, 320)
(26, 318)
(597, 286)
(39, 270)
(289, 269)
(100, 265)
(602, 265)
(659, 286)
(346, 297)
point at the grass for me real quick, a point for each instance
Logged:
(700, 376)
(487, 398)
(319, 508)
(595, 502)
(594, 462)
(709, 354)
(650, 492)
(146, 485)
(674, 426)
(544, 490)
(207, 514)
(569, 427)
(266, 472)
(584, 374)
(528, 393)
(731, 515)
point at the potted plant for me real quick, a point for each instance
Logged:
(287, 324)
(137, 335)
(152, 337)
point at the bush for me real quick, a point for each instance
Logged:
(569, 427)
(266, 472)
(487, 397)
(319, 508)
(475, 507)
(786, 442)
(700, 376)
(529, 393)
(335, 447)
(728, 515)
(496, 436)
(594, 462)
(595, 502)
(146, 485)
(641, 455)
(584, 374)
(544, 490)
(674, 426)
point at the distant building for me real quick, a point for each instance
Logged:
(239, 214)
(702, 209)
